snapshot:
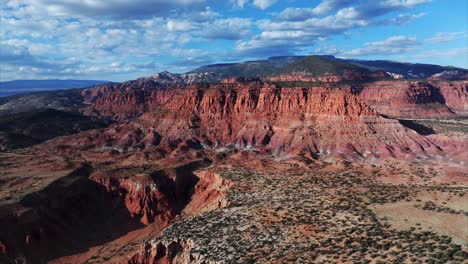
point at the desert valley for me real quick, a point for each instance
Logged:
(233, 132)
(287, 160)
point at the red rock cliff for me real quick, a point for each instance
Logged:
(264, 118)
(455, 94)
(415, 99)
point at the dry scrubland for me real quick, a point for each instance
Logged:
(288, 212)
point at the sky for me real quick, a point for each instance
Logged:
(119, 40)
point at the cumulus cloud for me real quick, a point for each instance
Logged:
(403, 19)
(115, 8)
(286, 36)
(297, 28)
(61, 38)
(442, 37)
(379, 8)
(367, 9)
(41, 41)
(274, 42)
(17, 60)
(392, 45)
(331, 5)
(18, 55)
(239, 3)
(325, 7)
(179, 26)
(451, 53)
(262, 4)
(296, 14)
(229, 28)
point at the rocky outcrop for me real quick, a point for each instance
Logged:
(328, 78)
(186, 78)
(166, 252)
(90, 204)
(126, 103)
(304, 78)
(450, 75)
(208, 195)
(255, 117)
(412, 99)
(238, 80)
(160, 80)
(455, 94)
(146, 197)
(39, 226)
(100, 90)
(229, 100)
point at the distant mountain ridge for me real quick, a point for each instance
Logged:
(309, 66)
(408, 70)
(8, 88)
(316, 65)
(320, 65)
(257, 68)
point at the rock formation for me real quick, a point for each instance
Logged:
(416, 99)
(260, 117)
(114, 189)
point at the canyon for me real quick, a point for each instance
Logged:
(295, 167)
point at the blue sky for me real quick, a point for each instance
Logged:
(118, 40)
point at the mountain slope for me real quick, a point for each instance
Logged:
(408, 70)
(27, 128)
(259, 68)
(320, 65)
(60, 99)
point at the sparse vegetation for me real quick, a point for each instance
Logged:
(316, 216)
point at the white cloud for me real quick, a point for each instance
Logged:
(180, 26)
(35, 49)
(44, 44)
(239, 3)
(403, 19)
(115, 8)
(452, 53)
(324, 8)
(392, 45)
(263, 4)
(230, 28)
(327, 6)
(298, 28)
(67, 37)
(442, 37)
(287, 36)
(296, 14)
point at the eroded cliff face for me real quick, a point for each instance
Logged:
(166, 252)
(397, 98)
(208, 195)
(256, 117)
(455, 94)
(160, 80)
(413, 99)
(78, 212)
(234, 101)
(331, 78)
(146, 197)
(143, 174)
